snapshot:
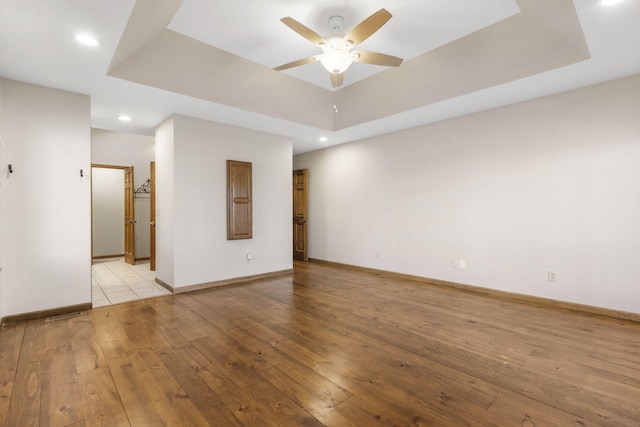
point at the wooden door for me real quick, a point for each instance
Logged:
(129, 218)
(152, 217)
(300, 215)
(239, 204)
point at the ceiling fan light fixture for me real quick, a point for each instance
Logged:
(336, 61)
(337, 55)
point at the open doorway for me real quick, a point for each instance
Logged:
(121, 237)
(108, 213)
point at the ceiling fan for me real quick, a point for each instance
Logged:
(337, 54)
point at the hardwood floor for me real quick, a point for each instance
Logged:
(329, 346)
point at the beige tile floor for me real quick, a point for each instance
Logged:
(113, 281)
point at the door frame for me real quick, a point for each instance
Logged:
(127, 198)
(152, 216)
(129, 217)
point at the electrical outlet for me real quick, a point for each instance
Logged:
(551, 276)
(248, 257)
(462, 263)
(454, 264)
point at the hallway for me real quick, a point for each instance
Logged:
(113, 281)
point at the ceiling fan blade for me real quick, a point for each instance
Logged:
(337, 79)
(376, 58)
(304, 31)
(297, 63)
(366, 28)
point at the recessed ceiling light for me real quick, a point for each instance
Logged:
(610, 2)
(323, 139)
(86, 39)
(124, 118)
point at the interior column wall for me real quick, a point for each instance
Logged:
(202, 253)
(45, 233)
(548, 185)
(3, 172)
(165, 190)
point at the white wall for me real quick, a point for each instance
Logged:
(128, 149)
(165, 189)
(107, 197)
(545, 185)
(123, 149)
(4, 160)
(202, 252)
(45, 234)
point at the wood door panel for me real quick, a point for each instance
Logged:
(300, 215)
(239, 205)
(300, 239)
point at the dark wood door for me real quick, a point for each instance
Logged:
(152, 217)
(300, 243)
(129, 218)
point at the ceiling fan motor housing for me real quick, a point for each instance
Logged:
(336, 22)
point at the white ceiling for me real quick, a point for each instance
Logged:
(37, 46)
(266, 40)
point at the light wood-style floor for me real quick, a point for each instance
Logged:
(330, 347)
